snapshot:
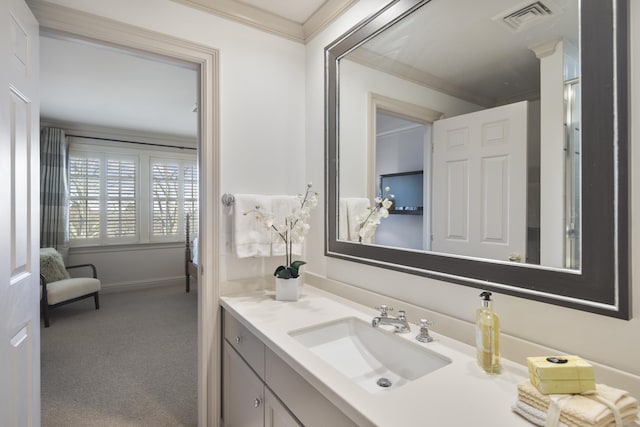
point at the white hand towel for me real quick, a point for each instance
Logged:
(536, 416)
(194, 251)
(357, 211)
(250, 237)
(283, 206)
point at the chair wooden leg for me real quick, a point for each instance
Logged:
(45, 314)
(96, 299)
(188, 282)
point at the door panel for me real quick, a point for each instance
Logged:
(479, 183)
(243, 391)
(20, 232)
(19, 192)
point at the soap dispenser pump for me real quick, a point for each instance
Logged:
(488, 336)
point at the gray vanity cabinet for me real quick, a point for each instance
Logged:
(260, 389)
(246, 401)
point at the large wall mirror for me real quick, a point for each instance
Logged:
(498, 131)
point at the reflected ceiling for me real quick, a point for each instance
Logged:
(488, 38)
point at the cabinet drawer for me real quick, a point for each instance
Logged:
(246, 344)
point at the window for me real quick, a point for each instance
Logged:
(84, 197)
(126, 196)
(166, 181)
(190, 189)
(122, 203)
(102, 198)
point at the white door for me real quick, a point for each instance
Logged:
(479, 184)
(19, 217)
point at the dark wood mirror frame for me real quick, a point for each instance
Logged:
(602, 286)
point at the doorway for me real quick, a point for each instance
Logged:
(403, 159)
(57, 20)
(131, 122)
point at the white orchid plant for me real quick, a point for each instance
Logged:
(369, 223)
(292, 230)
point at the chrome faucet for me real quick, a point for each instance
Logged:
(399, 323)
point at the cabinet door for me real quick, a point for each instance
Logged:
(242, 392)
(275, 414)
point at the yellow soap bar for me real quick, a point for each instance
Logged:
(563, 386)
(561, 374)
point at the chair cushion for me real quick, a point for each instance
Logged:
(64, 290)
(52, 265)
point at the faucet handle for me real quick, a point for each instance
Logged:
(384, 309)
(424, 323)
(424, 336)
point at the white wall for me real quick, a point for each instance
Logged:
(133, 266)
(602, 339)
(262, 102)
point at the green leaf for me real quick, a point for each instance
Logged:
(297, 264)
(294, 271)
(289, 272)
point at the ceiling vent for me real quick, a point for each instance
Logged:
(526, 16)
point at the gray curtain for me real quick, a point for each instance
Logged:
(54, 190)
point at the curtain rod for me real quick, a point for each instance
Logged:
(131, 142)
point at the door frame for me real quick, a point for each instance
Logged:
(408, 111)
(67, 22)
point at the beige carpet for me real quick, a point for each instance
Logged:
(131, 363)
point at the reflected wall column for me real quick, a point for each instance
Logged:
(552, 153)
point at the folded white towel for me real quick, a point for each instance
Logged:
(282, 206)
(606, 407)
(250, 237)
(539, 418)
(536, 416)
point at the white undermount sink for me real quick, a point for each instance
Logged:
(375, 359)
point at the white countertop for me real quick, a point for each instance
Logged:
(457, 395)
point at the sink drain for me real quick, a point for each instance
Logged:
(384, 382)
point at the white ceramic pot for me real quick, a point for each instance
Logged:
(288, 289)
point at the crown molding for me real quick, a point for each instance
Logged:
(270, 22)
(324, 16)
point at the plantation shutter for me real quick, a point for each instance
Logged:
(122, 211)
(166, 185)
(129, 196)
(84, 197)
(190, 196)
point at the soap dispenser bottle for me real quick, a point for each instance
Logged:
(488, 336)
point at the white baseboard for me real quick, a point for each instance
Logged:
(145, 284)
